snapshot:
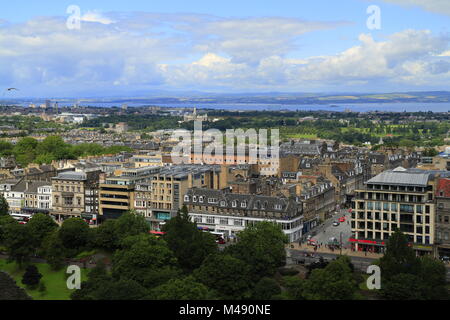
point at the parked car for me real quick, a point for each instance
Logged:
(342, 219)
(336, 223)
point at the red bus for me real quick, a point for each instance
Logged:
(157, 233)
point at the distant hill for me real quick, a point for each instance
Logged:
(300, 98)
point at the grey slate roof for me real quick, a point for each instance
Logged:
(71, 175)
(408, 177)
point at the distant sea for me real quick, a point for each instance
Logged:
(356, 107)
(338, 107)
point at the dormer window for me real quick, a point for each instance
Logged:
(223, 203)
(278, 207)
(200, 199)
(194, 199)
(234, 204)
(186, 198)
(244, 204)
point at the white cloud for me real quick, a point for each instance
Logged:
(408, 57)
(93, 16)
(252, 39)
(140, 51)
(435, 6)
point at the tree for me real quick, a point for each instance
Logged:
(6, 148)
(399, 257)
(233, 281)
(97, 277)
(10, 290)
(430, 152)
(181, 289)
(4, 221)
(401, 286)
(4, 207)
(266, 289)
(18, 241)
(106, 237)
(262, 247)
(25, 150)
(129, 224)
(101, 286)
(40, 226)
(433, 279)
(31, 277)
(124, 289)
(55, 148)
(146, 260)
(334, 282)
(53, 250)
(190, 245)
(294, 287)
(429, 283)
(74, 234)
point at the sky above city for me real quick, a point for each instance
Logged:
(135, 48)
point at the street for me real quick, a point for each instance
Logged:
(331, 231)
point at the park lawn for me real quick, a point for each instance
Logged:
(55, 281)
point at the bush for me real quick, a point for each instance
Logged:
(288, 271)
(31, 277)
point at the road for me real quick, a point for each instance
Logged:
(331, 231)
(360, 263)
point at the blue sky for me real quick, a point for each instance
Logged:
(138, 47)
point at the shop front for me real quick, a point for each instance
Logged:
(364, 245)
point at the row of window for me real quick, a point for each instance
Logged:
(241, 222)
(67, 188)
(360, 215)
(387, 206)
(385, 235)
(234, 203)
(378, 226)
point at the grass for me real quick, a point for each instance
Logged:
(298, 136)
(55, 281)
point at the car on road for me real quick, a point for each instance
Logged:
(342, 219)
(336, 223)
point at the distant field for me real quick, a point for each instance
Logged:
(55, 281)
(299, 136)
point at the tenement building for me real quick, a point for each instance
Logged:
(71, 194)
(443, 218)
(159, 197)
(396, 199)
(227, 213)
